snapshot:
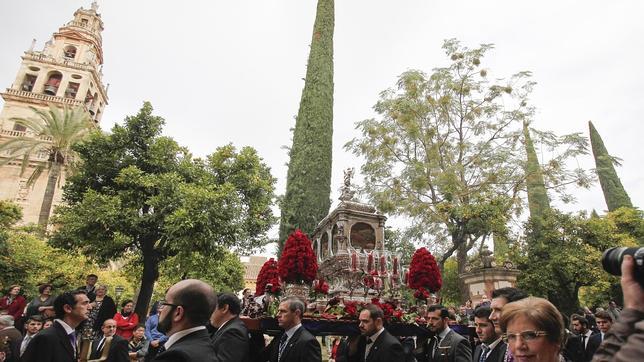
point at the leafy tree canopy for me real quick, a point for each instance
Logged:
(568, 249)
(445, 151)
(140, 194)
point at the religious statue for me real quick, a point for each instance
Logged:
(347, 193)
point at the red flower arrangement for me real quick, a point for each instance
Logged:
(421, 293)
(424, 272)
(321, 287)
(297, 263)
(268, 274)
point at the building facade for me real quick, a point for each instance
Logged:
(66, 72)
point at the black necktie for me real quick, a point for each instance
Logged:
(100, 345)
(437, 340)
(583, 342)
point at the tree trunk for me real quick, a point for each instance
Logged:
(48, 198)
(149, 277)
(461, 259)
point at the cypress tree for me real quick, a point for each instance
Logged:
(538, 201)
(614, 192)
(308, 182)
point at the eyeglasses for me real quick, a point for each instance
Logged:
(164, 304)
(527, 336)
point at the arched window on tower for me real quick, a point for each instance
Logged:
(53, 82)
(88, 99)
(69, 52)
(28, 82)
(72, 89)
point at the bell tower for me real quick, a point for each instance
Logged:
(66, 72)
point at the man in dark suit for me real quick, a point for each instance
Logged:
(58, 343)
(580, 326)
(296, 344)
(445, 345)
(375, 343)
(109, 347)
(492, 348)
(231, 337)
(11, 336)
(183, 316)
(501, 297)
(604, 322)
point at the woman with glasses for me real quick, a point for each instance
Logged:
(533, 329)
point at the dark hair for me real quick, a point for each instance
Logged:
(438, 307)
(231, 300)
(125, 302)
(197, 303)
(509, 293)
(66, 298)
(42, 287)
(375, 312)
(139, 326)
(580, 319)
(36, 318)
(604, 315)
(91, 276)
(483, 312)
(154, 309)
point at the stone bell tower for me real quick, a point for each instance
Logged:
(66, 72)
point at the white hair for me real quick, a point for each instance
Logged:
(6, 320)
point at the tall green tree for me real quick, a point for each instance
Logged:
(445, 152)
(614, 192)
(55, 132)
(538, 201)
(567, 249)
(308, 182)
(140, 195)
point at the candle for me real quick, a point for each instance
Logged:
(395, 264)
(370, 261)
(383, 264)
(354, 261)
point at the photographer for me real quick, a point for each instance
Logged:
(625, 340)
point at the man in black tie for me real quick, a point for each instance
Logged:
(446, 345)
(580, 326)
(58, 343)
(296, 344)
(231, 337)
(183, 315)
(492, 347)
(375, 343)
(604, 321)
(109, 347)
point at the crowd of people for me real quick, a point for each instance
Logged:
(193, 323)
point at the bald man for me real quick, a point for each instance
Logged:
(109, 347)
(182, 317)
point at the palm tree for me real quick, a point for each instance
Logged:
(55, 131)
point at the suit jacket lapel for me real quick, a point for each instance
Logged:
(290, 343)
(376, 345)
(64, 339)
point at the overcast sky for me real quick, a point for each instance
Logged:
(232, 71)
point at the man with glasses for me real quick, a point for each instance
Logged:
(183, 316)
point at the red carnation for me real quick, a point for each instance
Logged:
(424, 272)
(268, 274)
(298, 263)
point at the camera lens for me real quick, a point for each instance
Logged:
(612, 261)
